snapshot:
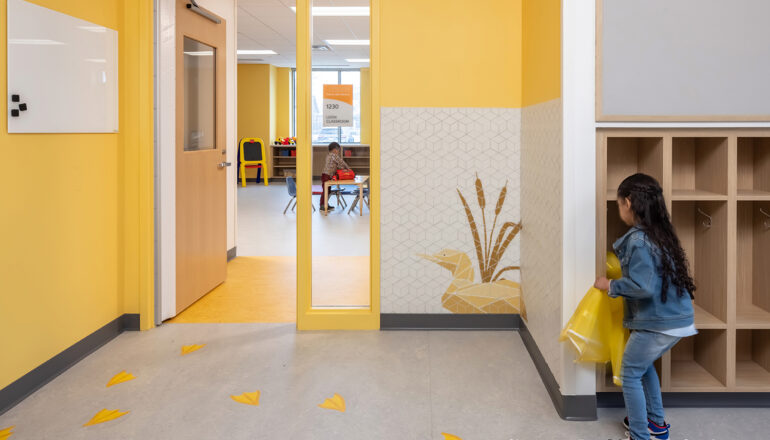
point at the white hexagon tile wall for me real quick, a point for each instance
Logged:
(428, 251)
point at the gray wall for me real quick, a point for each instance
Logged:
(686, 57)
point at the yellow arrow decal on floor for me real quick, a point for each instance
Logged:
(187, 349)
(247, 398)
(6, 433)
(105, 415)
(450, 436)
(120, 378)
(336, 403)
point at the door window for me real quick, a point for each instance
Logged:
(199, 95)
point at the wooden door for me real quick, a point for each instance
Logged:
(201, 217)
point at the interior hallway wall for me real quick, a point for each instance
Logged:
(444, 122)
(257, 105)
(76, 228)
(541, 177)
(166, 137)
(283, 102)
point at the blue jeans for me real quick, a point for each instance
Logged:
(641, 388)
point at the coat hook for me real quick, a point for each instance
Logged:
(767, 222)
(707, 222)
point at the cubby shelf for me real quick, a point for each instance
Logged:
(718, 187)
(752, 368)
(753, 270)
(700, 362)
(699, 167)
(702, 230)
(754, 168)
(626, 156)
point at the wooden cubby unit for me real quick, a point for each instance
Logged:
(752, 363)
(627, 156)
(699, 168)
(753, 272)
(700, 362)
(702, 230)
(717, 188)
(754, 168)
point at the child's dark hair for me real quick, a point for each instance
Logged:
(651, 216)
(334, 146)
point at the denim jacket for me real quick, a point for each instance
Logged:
(640, 287)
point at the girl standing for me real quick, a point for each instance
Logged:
(658, 289)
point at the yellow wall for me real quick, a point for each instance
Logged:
(541, 51)
(283, 101)
(257, 104)
(75, 222)
(451, 53)
(366, 106)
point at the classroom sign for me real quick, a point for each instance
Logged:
(338, 105)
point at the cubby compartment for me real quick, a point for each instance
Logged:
(753, 258)
(754, 168)
(752, 359)
(699, 168)
(700, 362)
(702, 230)
(630, 155)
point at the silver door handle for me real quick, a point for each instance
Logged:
(224, 164)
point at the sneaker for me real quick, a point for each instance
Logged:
(659, 432)
(330, 208)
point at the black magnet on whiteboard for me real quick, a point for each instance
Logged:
(15, 98)
(15, 113)
(23, 106)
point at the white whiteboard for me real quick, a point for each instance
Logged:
(65, 70)
(685, 59)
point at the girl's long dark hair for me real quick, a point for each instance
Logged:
(651, 216)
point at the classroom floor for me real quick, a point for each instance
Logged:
(261, 282)
(395, 385)
(263, 229)
(264, 289)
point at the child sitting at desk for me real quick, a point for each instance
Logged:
(332, 163)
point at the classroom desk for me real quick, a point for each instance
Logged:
(358, 181)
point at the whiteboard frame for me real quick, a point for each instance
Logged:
(602, 117)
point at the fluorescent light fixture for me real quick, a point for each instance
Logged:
(34, 42)
(338, 11)
(96, 60)
(99, 29)
(348, 42)
(357, 60)
(257, 52)
(200, 53)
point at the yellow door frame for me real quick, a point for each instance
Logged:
(309, 318)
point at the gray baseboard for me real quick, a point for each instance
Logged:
(231, 253)
(694, 400)
(573, 408)
(49, 370)
(449, 321)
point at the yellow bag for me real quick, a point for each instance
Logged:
(596, 328)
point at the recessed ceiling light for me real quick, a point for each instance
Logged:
(257, 52)
(348, 42)
(338, 11)
(357, 60)
(93, 28)
(34, 42)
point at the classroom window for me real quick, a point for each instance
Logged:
(343, 135)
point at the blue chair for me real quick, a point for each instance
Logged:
(291, 186)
